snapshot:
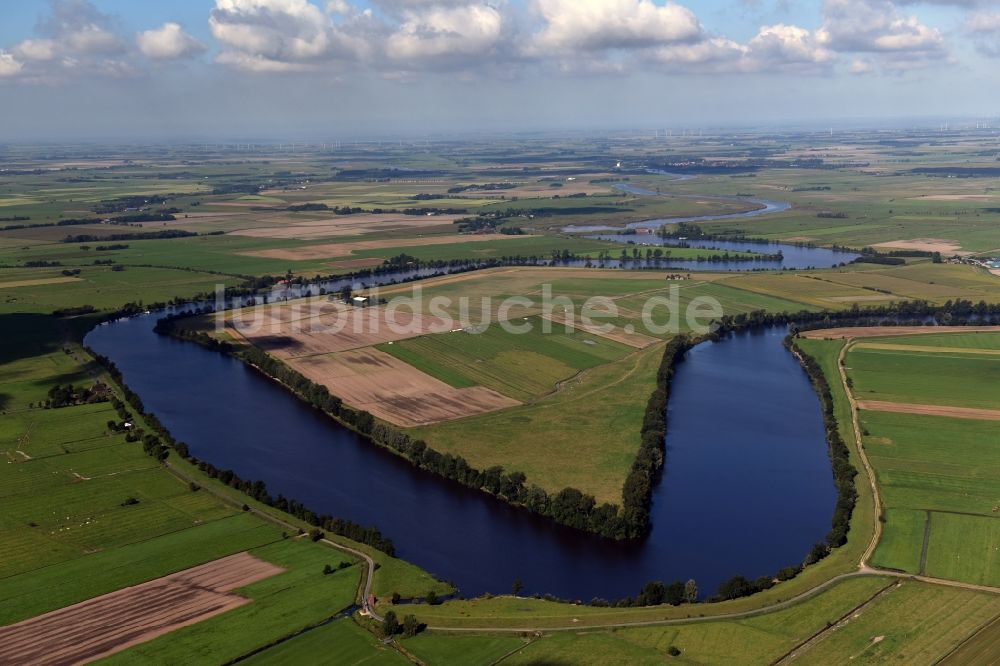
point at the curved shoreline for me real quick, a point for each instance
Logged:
(767, 206)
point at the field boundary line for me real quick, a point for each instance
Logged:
(922, 569)
(859, 444)
(820, 635)
(986, 625)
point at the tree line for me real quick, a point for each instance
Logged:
(159, 443)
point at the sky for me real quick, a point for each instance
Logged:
(336, 69)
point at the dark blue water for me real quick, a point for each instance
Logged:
(794, 256)
(747, 487)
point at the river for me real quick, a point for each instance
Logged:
(793, 256)
(745, 494)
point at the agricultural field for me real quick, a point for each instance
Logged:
(937, 462)
(88, 514)
(91, 519)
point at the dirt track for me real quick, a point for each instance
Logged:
(110, 623)
(878, 331)
(930, 410)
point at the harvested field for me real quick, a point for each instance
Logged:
(395, 391)
(877, 331)
(958, 197)
(346, 225)
(930, 410)
(928, 349)
(632, 339)
(112, 622)
(330, 250)
(37, 283)
(321, 327)
(941, 245)
(356, 263)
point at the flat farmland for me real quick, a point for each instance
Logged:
(584, 435)
(963, 379)
(294, 330)
(395, 391)
(913, 624)
(938, 467)
(348, 248)
(298, 228)
(523, 366)
(116, 621)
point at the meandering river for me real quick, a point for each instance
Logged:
(747, 493)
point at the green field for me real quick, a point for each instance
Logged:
(339, 643)
(610, 399)
(939, 476)
(87, 513)
(297, 598)
(913, 624)
(930, 378)
(522, 366)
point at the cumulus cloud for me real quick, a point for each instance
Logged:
(774, 48)
(590, 25)
(876, 26)
(446, 32)
(788, 45)
(984, 28)
(284, 35)
(167, 42)
(984, 23)
(36, 49)
(9, 65)
(80, 28)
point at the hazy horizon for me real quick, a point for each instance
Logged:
(224, 70)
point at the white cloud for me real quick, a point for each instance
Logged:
(92, 39)
(167, 42)
(861, 66)
(984, 28)
(876, 26)
(287, 35)
(983, 23)
(273, 29)
(442, 31)
(788, 45)
(36, 49)
(773, 48)
(589, 25)
(9, 65)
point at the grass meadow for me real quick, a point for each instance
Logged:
(939, 476)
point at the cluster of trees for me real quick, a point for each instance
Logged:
(158, 446)
(109, 248)
(637, 492)
(843, 471)
(409, 628)
(483, 187)
(41, 263)
(165, 215)
(879, 259)
(130, 202)
(69, 395)
(138, 235)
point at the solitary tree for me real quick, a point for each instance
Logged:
(691, 591)
(517, 586)
(411, 626)
(390, 625)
